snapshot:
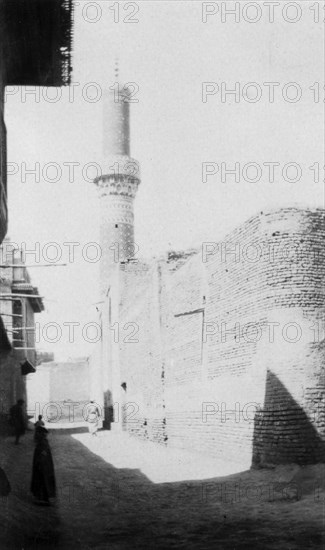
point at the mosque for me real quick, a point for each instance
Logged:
(218, 350)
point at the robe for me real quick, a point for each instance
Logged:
(43, 484)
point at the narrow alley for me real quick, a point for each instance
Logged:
(114, 492)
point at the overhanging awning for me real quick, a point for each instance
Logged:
(37, 36)
(4, 340)
(27, 368)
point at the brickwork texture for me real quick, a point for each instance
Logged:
(222, 350)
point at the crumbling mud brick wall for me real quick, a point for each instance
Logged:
(230, 356)
(142, 408)
(266, 299)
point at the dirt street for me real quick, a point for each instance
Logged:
(115, 493)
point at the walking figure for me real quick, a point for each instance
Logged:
(43, 485)
(93, 416)
(17, 419)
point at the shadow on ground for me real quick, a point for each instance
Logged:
(99, 506)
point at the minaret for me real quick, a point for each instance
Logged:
(118, 184)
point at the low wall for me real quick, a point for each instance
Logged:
(59, 391)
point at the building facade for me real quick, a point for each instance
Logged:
(60, 391)
(19, 302)
(220, 350)
(35, 50)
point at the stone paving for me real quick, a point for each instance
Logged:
(117, 493)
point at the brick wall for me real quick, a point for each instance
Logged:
(229, 360)
(285, 285)
(140, 351)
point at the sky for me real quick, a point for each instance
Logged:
(183, 139)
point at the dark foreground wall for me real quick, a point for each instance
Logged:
(13, 385)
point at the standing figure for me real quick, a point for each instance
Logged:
(17, 419)
(93, 416)
(43, 485)
(39, 424)
(4, 484)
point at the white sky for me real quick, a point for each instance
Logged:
(168, 54)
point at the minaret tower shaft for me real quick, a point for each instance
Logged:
(118, 184)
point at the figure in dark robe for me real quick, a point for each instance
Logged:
(4, 484)
(43, 485)
(18, 420)
(39, 423)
